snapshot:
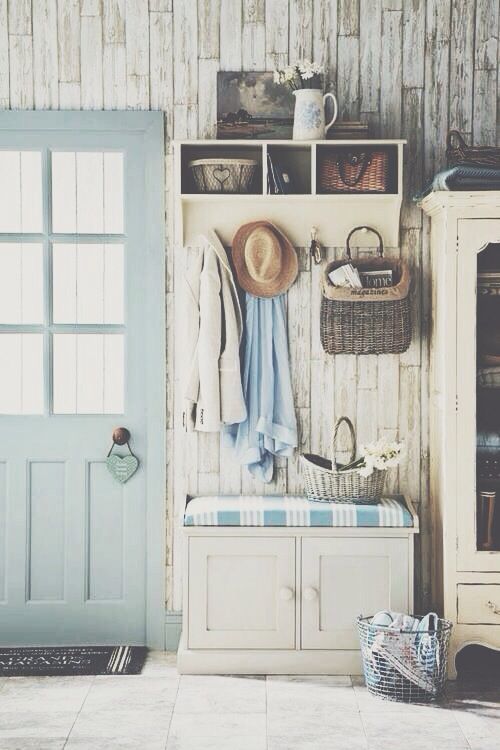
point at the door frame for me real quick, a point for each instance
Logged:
(149, 126)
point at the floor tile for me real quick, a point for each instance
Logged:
(480, 722)
(315, 694)
(145, 722)
(312, 729)
(44, 693)
(115, 743)
(32, 743)
(161, 663)
(130, 692)
(208, 694)
(189, 731)
(32, 723)
(413, 731)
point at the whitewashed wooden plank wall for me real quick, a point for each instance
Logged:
(411, 68)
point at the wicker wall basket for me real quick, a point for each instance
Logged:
(366, 321)
(356, 171)
(326, 483)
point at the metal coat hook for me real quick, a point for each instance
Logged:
(315, 248)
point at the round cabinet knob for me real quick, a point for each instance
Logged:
(310, 593)
(286, 593)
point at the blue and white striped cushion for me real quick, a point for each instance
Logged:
(288, 510)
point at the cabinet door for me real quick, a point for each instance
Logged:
(241, 592)
(478, 396)
(345, 577)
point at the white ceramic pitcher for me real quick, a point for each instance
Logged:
(309, 115)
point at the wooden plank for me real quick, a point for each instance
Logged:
(324, 39)
(411, 253)
(277, 17)
(413, 44)
(348, 15)
(20, 17)
(113, 21)
(299, 337)
(410, 429)
(437, 83)
(185, 53)
(208, 447)
(230, 35)
(185, 121)
(207, 108)
(208, 29)
(461, 65)
(367, 371)
(366, 417)
(345, 398)
(115, 76)
(254, 11)
(388, 392)
(230, 470)
(348, 77)
(4, 56)
(300, 30)
(21, 71)
(91, 8)
(371, 52)
(69, 95)
(160, 5)
(486, 38)
(294, 475)
(391, 74)
(484, 124)
(91, 57)
(161, 62)
(68, 37)
(45, 65)
(322, 405)
(137, 49)
(254, 46)
(413, 166)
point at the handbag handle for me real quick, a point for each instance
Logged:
(335, 433)
(364, 160)
(380, 251)
(455, 134)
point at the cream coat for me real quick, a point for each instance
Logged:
(213, 330)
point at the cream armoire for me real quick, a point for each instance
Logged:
(465, 413)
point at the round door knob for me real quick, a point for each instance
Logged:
(286, 593)
(310, 593)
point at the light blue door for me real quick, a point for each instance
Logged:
(81, 352)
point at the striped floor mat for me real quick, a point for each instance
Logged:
(71, 660)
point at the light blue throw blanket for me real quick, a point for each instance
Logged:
(270, 428)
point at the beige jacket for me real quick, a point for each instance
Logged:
(213, 329)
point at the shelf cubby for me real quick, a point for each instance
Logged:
(295, 162)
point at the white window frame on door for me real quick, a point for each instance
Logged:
(53, 131)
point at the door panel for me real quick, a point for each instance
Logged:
(343, 578)
(241, 593)
(79, 356)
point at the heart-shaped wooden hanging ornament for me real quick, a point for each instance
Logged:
(122, 468)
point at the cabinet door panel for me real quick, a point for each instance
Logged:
(241, 593)
(343, 578)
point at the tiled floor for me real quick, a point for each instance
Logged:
(159, 709)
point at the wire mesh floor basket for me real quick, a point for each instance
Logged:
(402, 665)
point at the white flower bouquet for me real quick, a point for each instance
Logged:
(303, 74)
(381, 454)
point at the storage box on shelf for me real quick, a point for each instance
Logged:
(334, 214)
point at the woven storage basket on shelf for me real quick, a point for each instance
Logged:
(459, 152)
(366, 321)
(223, 175)
(325, 482)
(354, 171)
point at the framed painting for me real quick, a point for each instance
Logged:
(251, 105)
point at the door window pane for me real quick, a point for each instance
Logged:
(21, 191)
(88, 373)
(21, 373)
(87, 192)
(87, 283)
(21, 282)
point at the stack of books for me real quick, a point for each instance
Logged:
(348, 131)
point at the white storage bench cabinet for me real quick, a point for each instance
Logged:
(273, 585)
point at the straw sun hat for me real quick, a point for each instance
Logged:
(264, 259)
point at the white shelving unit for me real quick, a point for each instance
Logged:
(333, 214)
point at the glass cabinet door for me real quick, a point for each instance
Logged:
(488, 399)
(477, 395)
